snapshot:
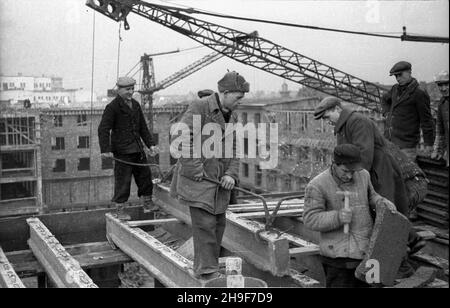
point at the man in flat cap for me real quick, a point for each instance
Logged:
(207, 201)
(407, 111)
(122, 134)
(341, 253)
(440, 149)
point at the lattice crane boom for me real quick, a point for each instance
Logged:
(183, 73)
(252, 50)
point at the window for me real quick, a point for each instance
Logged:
(58, 121)
(155, 138)
(246, 146)
(245, 170)
(5, 86)
(107, 163)
(83, 142)
(82, 120)
(244, 118)
(287, 184)
(11, 85)
(257, 119)
(258, 176)
(58, 143)
(84, 164)
(60, 165)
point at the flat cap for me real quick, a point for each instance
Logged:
(327, 103)
(349, 155)
(123, 82)
(400, 67)
(233, 82)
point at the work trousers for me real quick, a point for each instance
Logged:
(122, 177)
(207, 232)
(411, 153)
(338, 277)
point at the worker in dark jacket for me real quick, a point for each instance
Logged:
(407, 110)
(121, 132)
(207, 201)
(440, 149)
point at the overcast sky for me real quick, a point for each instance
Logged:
(54, 37)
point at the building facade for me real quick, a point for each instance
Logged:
(20, 163)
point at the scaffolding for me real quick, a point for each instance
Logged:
(20, 161)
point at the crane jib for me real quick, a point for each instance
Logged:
(250, 49)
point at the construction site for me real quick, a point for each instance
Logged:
(59, 228)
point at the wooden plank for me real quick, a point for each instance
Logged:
(281, 213)
(303, 251)
(89, 255)
(297, 202)
(164, 264)
(153, 222)
(61, 267)
(245, 209)
(8, 277)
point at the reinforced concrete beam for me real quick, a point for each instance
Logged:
(60, 266)
(8, 277)
(166, 265)
(269, 254)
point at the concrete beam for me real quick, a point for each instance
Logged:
(8, 277)
(61, 267)
(166, 265)
(269, 254)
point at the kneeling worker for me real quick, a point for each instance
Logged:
(341, 253)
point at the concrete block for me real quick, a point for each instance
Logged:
(387, 248)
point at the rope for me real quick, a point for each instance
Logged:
(134, 164)
(92, 104)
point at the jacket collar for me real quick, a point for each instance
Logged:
(345, 114)
(124, 107)
(410, 88)
(215, 113)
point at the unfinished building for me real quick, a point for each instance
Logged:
(20, 163)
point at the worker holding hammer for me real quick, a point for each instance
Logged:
(337, 204)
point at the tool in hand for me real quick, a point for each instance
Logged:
(267, 215)
(346, 195)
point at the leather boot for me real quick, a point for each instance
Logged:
(148, 204)
(120, 212)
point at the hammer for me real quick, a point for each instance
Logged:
(346, 195)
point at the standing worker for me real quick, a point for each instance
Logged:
(207, 201)
(121, 132)
(440, 149)
(407, 110)
(342, 250)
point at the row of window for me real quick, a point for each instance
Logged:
(256, 118)
(81, 120)
(49, 98)
(12, 85)
(58, 143)
(84, 164)
(258, 173)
